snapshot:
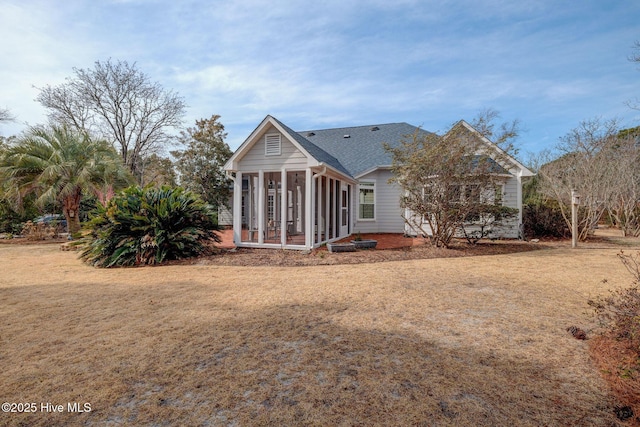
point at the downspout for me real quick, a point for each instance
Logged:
(323, 173)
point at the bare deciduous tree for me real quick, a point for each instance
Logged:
(503, 136)
(118, 102)
(587, 163)
(624, 196)
(635, 57)
(5, 115)
(448, 181)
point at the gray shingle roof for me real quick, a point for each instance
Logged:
(317, 152)
(363, 149)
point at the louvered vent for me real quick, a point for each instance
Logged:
(272, 146)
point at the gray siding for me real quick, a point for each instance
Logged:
(225, 214)
(388, 215)
(507, 229)
(255, 159)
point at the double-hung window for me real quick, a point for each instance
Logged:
(367, 200)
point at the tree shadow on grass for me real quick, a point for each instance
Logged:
(286, 365)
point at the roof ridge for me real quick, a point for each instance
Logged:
(353, 127)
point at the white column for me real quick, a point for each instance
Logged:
(350, 196)
(284, 203)
(336, 208)
(309, 209)
(327, 211)
(260, 207)
(319, 209)
(237, 208)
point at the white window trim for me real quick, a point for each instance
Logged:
(270, 147)
(503, 188)
(375, 201)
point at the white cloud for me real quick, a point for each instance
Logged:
(334, 62)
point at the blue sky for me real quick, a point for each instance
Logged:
(337, 63)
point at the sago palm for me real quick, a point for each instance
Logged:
(60, 165)
(145, 226)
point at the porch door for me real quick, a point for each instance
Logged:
(344, 211)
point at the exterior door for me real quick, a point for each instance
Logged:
(344, 211)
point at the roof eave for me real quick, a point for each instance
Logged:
(232, 163)
(337, 172)
(522, 169)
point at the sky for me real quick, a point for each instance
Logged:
(549, 64)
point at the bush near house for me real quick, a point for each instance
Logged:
(544, 220)
(146, 226)
(617, 350)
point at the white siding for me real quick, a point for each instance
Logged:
(388, 214)
(510, 197)
(255, 159)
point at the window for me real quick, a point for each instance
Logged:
(472, 193)
(272, 144)
(367, 200)
(498, 195)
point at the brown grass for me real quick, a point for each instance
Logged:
(618, 364)
(456, 341)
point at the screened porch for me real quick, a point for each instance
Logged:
(296, 209)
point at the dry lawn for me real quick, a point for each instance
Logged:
(473, 341)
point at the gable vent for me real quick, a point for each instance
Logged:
(375, 128)
(272, 144)
(347, 136)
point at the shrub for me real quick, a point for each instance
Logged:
(149, 226)
(483, 219)
(38, 231)
(544, 220)
(621, 309)
(12, 219)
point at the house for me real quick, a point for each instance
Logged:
(299, 190)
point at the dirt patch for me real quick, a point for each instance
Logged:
(274, 257)
(23, 241)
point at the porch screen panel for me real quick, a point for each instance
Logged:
(249, 207)
(295, 199)
(273, 203)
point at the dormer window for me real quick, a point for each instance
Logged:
(272, 144)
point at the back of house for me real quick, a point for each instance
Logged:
(299, 190)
